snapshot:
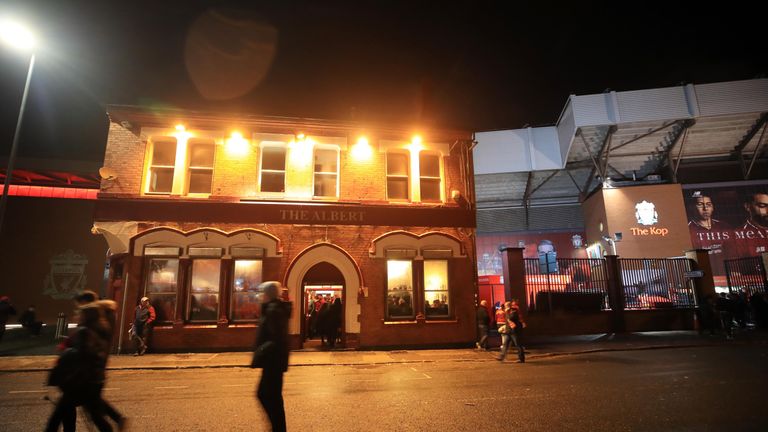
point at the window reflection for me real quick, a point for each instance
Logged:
(161, 287)
(204, 290)
(245, 302)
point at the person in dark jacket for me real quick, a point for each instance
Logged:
(28, 320)
(333, 322)
(271, 353)
(483, 324)
(6, 309)
(91, 342)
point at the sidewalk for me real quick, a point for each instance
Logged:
(538, 347)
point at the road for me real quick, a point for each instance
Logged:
(692, 389)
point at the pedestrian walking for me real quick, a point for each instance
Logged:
(271, 353)
(81, 368)
(517, 324)
(6, 309)
(483, 324)
(144, 316)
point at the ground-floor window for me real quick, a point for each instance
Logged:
(400, 289)
(204, 290)
(436, 293)
(162, 287)
(417, 288)
(245, 299)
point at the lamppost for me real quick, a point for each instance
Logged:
(17, 36)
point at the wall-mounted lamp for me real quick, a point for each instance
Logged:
(362, 149)
(237, 145)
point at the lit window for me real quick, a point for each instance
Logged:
(200, 176)
(245, 298)
(272, 169)
(161, 287)
(162, 166)
(326, 172)
(204, 290)
(436, 288)
(429, 176)
(397, 176)
(400, 289)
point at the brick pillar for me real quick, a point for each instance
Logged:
(703, 286)
(514, 275)
(615, 293)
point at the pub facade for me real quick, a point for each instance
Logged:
(199, 208)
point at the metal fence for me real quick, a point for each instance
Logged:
(746, 274)
(651, 283)
(566, 284)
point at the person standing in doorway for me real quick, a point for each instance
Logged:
(143, 319)
(483, 322)
(271, 353)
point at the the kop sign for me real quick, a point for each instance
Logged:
(646, 215)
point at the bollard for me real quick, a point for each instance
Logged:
(61, 326)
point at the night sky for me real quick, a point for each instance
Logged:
(471, 65)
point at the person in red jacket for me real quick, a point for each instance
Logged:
(143, 319)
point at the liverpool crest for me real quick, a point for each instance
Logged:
(67, 275)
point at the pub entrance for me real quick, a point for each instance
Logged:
(322, 326)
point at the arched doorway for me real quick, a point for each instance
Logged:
(321, 286)
(339, 259)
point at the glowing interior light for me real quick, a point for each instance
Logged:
(362, 150)
(415, 145)
(237, 145)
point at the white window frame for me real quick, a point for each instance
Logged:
(284, 147)
(336, 173)
(439, 157)
(409, 161)
(190, 168)
(151, 165)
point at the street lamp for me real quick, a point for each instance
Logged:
(17, 36)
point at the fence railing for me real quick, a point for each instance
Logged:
(747, 274)
(651, 283)
(575, 284)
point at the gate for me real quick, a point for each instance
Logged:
(575, 284)
(655, 283)
(746, 274)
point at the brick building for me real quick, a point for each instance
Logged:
(199, 208)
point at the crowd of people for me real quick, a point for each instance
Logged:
(729, 311)
(323, 319)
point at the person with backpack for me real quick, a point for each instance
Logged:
(80, 371)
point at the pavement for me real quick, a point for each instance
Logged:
(538, 347)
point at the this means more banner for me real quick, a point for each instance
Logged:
(730, 220)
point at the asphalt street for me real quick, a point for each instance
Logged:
(685, 389)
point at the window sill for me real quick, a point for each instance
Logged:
(403, 322)
(442, 321)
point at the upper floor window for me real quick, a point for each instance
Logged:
(180, 166)
(272, 169)
(429, 177)
(326, 172)
(397, 176)
(200, 169)
(162, 166)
